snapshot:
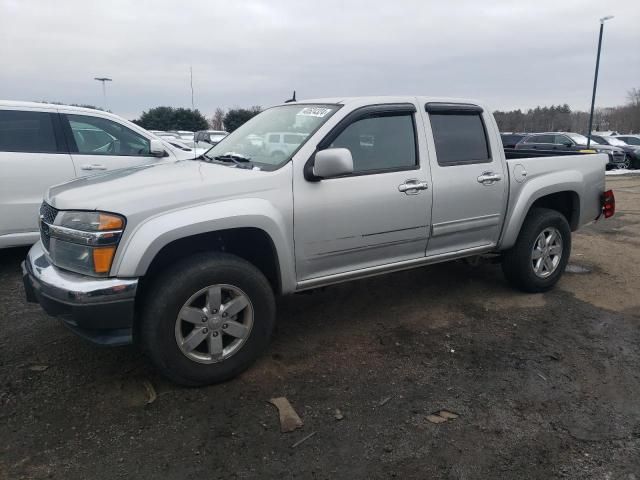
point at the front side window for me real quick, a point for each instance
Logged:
(292, 139)
(460, 138)
(383, 142)
(562, 140)
(252, 143)
(99, 136)
(27, 132)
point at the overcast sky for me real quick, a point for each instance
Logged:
(509, 54)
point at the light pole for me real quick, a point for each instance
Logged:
(103, 80)
(595, 78)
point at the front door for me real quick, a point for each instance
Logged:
(370, 217)
(469, 181)
(98, 143)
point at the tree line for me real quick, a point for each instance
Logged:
(170, 118)
(624, 118)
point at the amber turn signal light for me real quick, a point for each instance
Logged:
(102, 258)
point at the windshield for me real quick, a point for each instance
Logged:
(270, 139)
(581, 139)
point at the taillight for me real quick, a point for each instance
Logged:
(608, 204)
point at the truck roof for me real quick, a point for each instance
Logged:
(384, 99)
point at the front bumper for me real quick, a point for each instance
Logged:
(98, 309)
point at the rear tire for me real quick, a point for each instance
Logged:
(189, 293)
(538, 259)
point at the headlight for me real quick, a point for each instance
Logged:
(85, 242)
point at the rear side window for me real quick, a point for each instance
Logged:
(540, 139)
(27, 132)
(460, 138)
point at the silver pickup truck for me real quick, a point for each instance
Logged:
(185, 259)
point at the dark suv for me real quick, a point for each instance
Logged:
(567, 141)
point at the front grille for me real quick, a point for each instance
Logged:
(47, 215)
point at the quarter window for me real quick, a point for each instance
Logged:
(99, 136)
(382, 142)
(459, 138)
(27, 132)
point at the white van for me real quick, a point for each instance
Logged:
(42, 145)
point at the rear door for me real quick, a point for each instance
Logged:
(469, 180)
(98, 144)
(33, 156)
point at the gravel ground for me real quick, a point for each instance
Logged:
(545, 386)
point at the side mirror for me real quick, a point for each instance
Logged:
(568, 144)
(332, 162)
(156, 148)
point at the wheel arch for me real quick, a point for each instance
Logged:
(565, 199)
(252, 229)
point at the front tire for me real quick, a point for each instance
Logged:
(207, 319)
(538, 259)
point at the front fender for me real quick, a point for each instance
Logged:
(140, 247)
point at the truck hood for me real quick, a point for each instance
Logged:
(161, 186)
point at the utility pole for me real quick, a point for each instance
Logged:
(192, 102)
(595, 78)
(103, 80)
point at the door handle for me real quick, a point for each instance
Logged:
(488, 178)
(93, 166)
(412, 186)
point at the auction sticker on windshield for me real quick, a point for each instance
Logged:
(314, 112)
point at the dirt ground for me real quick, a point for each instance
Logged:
(545, 386)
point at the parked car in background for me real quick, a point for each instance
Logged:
(188, 148)
(633, 152)
(605, 133)
(43, 145)
(509, 140)
(282, 144)
(572, 142)
(187, 259)
(183, 134)
(629, 139)
(212, 137)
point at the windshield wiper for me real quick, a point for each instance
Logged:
(236, 158)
